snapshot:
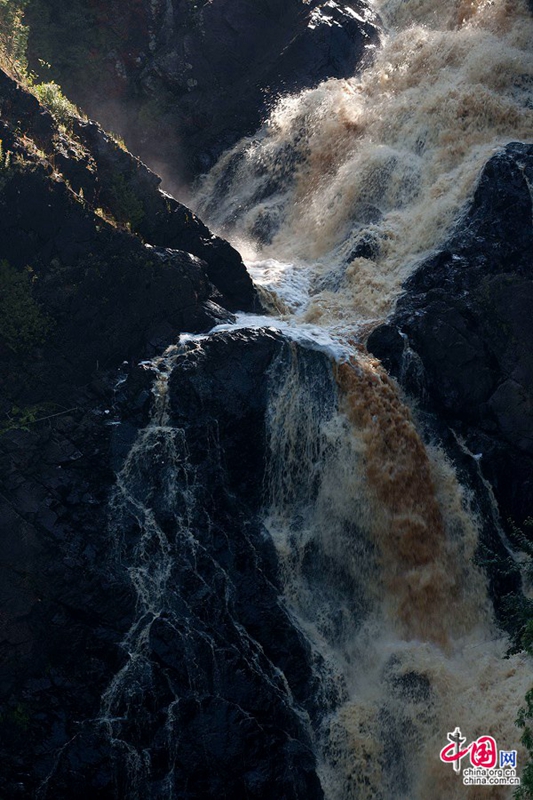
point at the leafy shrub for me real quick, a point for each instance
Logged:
(126, 206)
(20, 418)
(50, 95)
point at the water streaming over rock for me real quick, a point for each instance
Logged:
(215, 682)
(155, 483)
(338, 196)
(377, 540)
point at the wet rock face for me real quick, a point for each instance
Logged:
(211, 689)
(222, 385)
(466, 319)
(62, 613)
(184, 81)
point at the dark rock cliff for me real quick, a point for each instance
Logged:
(102, 269)
(101, 694)
(98, 267)
(105, 268)
(112, 260)
(183, 81)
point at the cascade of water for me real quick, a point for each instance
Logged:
(348, 184)
(156, 481)
(334, 202)
(341, 192)
(195, 666)
(376, 539)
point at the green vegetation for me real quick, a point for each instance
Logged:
(106, 216)
(19, 717)
(13, 38)
(21, 418)
(23, 324)
(50, 95)
(118, 139)
(126, 206)
(122, 207)
(5, 158)
(64, 35)
(13, 59)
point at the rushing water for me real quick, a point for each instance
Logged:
(333, 203)
(414, 644)
(351, 182)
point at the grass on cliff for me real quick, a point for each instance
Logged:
(51, 96)
(125, 208)
(13, 60)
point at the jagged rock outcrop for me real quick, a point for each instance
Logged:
(183, 81)
(70, 205)
(459, 339)
(145, 650)
(211, 694)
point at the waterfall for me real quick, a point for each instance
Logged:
(335, 201)
(376, 540)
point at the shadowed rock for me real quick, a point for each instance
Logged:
(184, 81)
